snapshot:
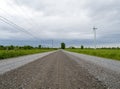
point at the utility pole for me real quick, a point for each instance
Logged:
(52, 43)
(94, 29)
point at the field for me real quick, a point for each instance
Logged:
(14, 53)
(106, 53)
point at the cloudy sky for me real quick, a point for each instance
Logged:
(60, 20)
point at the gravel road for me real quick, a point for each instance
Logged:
(13, 63)
(105, 70)
(58, 70)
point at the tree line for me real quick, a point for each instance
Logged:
(12, 47)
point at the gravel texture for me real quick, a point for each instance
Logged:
(13, 63)
(105, 70)
(58, 70)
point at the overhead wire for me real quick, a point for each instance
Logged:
(31, 21)
(19, 12)
(15, 26)
(7, 21)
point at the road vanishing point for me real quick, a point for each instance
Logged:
(59, 70)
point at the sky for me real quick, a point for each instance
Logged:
(69, 21)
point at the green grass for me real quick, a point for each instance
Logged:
(106, 53)
(14, 53)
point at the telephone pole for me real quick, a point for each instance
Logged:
(52, 43)
(94, 29)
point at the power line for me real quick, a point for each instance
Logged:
(19, 28)
(23, 13)
(31, 21)
(15, 26)
(26, 15)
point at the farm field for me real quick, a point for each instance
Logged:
(106, 53)
(20, 52)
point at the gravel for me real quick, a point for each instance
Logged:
(58, 70)
(105, 70)
(13, 63)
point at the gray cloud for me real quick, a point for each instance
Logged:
(63, 19)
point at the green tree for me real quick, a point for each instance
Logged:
(62, 45)
(2, 47)
(27, 47)
(11, 47)
(39, 46)
(82, 47)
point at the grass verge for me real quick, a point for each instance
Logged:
(106, 53)
(15, 53)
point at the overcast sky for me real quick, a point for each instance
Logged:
(61, 20)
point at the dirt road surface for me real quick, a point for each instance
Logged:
(55, 71)
(13, 63)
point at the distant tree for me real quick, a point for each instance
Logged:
(2, 47)
(72, 47)
(27, 47)
(17, 47)
(62, 45)
(39, 46)
(82, 47)
(118, 48)
(11, 47)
